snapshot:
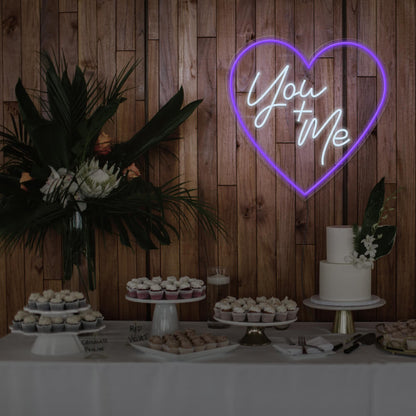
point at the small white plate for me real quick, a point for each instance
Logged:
(143, 347)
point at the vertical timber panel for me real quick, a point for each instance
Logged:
(406, 198)
(107, 253)
(207, 148)
(266, 177)
(168, 69)
(226, 120)
(188, 146)
(246, 205)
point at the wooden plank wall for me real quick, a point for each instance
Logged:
(275, 239)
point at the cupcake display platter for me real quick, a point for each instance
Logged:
(343, 322)
(57, 343)
(255, 335)
(64, 312)
(144, 347)
(165, 317)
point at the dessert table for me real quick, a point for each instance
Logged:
(119, 380)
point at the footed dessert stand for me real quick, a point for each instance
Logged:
(57, 343)
(255, 335)
(343, 322)
(165, 317)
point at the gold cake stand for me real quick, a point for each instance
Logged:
(255, 335)
(343, 321)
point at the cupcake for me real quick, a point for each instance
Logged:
(18, 320)
(254, 314)
(197, 288)
(268, 314)
(184, 279)
(89, 321)
(222, 341)
(226, 311)
(65, 292)
(261, 299)
(131, 289)
(48, 294)
(44, 325)
(210, 341)
(157, 279)
(171, 292)
(57, 304)
(42, 304)
(185, 290)
(71, 302)
(171, 279)
(156, 292)
(185, 347)
(292, 309)
(29, 323)
(172, 346)
(73, 323)
(32, 300)
(82, 302)
(57, 324)
(99, 316)
(142, 291)
(198, 343)
(217, 310)
(156, 342)
(281, 313)
(238, 314)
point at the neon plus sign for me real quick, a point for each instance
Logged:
(301, 111)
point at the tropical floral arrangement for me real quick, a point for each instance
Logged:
(373, 240)
(62, 172)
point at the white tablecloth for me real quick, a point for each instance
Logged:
(247, 381)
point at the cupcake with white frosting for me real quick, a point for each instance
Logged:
(58, 324)
(142, 291)
(29, 323)
(171, 291)
(185, 290)
(99, 316)
(254, 313)
(226, 311)
(82, 302)
(238, 314)
(171, 279)
(32, 300)
(292, 308)
(132, 289)
(281, 313)
(156, 292)
(42, 304)
(18, 319)
(89, 321)
(73, 323)
(197, 288)
(268, 314)
(157, 279)
(44, 325)
(57, 304)
(71, 302)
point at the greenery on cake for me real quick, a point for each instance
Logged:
(61, 171)
(373, 240)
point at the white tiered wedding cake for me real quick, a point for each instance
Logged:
(339, 279)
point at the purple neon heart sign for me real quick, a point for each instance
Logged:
(281, 92)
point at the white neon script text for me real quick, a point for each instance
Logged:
(286, 91)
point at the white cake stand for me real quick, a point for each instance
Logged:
(57, 343)
(255, 335)
(343, 322)
(165, 317)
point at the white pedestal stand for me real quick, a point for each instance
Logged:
(165, 317)
(343, 322)
(57, 343)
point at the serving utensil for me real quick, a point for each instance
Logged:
(367, 339)
(343, 344)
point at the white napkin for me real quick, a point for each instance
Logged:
(295, 351)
